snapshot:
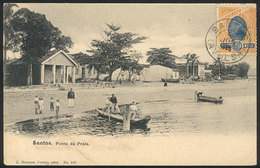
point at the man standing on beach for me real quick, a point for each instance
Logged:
(165, 84)
(113, 100)
(71, 97)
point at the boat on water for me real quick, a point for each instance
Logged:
(136, 123)
(170, 80)
(201, 98)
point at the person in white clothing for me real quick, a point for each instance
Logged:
(36, 104)
(133, 110)
(57, 104)
(41, 105)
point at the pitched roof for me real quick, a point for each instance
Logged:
(48, 55)
(45, 58)
(52, 54)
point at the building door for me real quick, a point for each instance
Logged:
(69, 74)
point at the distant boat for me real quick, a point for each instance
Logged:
(136, 123)
(201, 98)
(170, 80)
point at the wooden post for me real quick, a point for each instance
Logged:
(64, 73)
(54, 73)
(67, 75)
(42, 74)
(126, 120)
(73, 74)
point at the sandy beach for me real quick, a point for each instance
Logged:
(19, 106)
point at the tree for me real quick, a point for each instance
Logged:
(240, 69)
(243, 69)
(36, 36)
(82, 58)
(161, 56)
(91, 61)
(7, 33)
(218, 68)
(111, 52)
(131, 65)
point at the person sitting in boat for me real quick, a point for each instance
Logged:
(108, 105)
(199, 94)
(113, 100)
(133, 110)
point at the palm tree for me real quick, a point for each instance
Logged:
(7, 31)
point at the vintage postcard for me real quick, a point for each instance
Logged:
(129, 84)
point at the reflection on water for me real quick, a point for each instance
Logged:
(236, 114)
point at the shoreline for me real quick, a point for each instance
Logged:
(90, 99)
(104, 85)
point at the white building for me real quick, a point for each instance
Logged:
(156, 72)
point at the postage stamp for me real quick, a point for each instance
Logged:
(129, 84)
(233, 36)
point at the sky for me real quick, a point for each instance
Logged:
(180, 27)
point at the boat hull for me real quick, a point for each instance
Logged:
(209, 99)
(134, 123)
(170, 80)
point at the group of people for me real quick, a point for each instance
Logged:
(38, 105)
(38, 102)
(112, 106)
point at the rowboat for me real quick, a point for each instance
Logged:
(136, 123)
(201, 98)
(170, 80)
(210, 99)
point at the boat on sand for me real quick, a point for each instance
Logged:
(201, 98)
(135, 123)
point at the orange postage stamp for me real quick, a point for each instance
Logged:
(233, 36)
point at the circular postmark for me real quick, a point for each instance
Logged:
(228, 40)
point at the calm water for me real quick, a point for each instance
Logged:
(236, 115)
